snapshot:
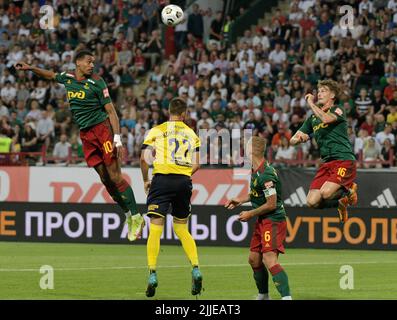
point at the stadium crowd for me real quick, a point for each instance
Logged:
(258, 82)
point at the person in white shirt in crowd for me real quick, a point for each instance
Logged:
(365, 5)
(68, 64)
(222, 63)
(39, 92)
(45, 128)
(386, 134)
(323, 56)
(6, 76)
(62, 149)
(8, 93)
(245, 49)
(263, 68)
(15, 55)
(261, 38)
(188, 89)
(205, 67)
(217, 76)
(285, 151)
(277, 57)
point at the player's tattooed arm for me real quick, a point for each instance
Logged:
(269, 206)
(46, 74)
(299, 137)
(324, 116)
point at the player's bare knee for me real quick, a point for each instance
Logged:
(254, 262)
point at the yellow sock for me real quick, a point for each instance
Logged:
(153, 245)
(188, 243)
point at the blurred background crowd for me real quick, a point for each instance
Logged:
(257, 82)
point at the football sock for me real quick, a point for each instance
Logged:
(188, 243)
(127, 195)
(261, 279)
(116, 196)
(280, 280)
(153, 244)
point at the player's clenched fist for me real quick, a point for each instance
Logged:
(309, 98)
(244, 216)
(22, 66)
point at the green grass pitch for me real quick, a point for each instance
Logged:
(92, 271)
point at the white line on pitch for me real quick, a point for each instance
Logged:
(203, 266)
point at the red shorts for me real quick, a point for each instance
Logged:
(342, 172)
(98, 144)
(268, 236)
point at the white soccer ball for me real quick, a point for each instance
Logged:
(172, 15)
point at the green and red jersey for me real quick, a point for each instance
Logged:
(332, 139)
(87, 98)
(265, 183)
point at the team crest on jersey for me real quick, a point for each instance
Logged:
(86, 86)
(69, 81)
(339, 111)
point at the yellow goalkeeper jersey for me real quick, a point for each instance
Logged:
(174, 144)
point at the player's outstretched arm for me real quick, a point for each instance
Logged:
(46, 74)
(299, 137)
(325, 117)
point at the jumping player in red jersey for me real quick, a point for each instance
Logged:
(94, 113)
(333, 186)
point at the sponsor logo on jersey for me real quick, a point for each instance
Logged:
(339, 111)
(76, 94)
(320, 126)
(105, 93)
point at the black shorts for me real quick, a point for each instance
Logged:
(170, 190)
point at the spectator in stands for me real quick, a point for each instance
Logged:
(386, 134)
(285, 151)
(371, 153)
(62, 150)
(195, 23)
(5, 142)
(45, 129)
(8, 94)
(216, 36)
(29, 138)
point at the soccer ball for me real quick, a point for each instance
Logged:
(172, 15)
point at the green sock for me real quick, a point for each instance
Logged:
(280, 280)
(261, 279)
(116, 196)
(127, 195)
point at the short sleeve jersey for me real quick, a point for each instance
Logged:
(87, 98)
(332, 138)
(174, 144)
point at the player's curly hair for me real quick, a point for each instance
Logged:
(332, 85)
(178, 106)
